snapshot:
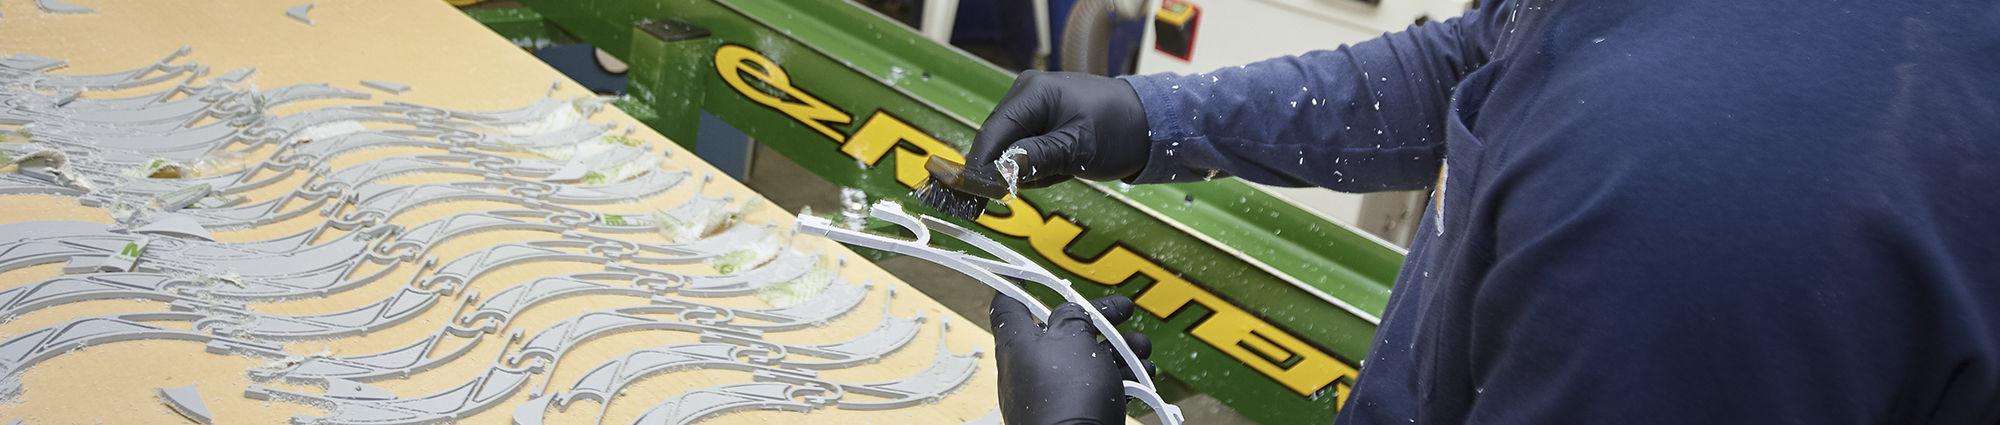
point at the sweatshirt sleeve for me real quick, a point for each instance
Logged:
(1360, 118)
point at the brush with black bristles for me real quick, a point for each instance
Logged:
(957, 191)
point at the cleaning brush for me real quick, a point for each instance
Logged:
(957, 191)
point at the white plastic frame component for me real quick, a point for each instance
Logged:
(1013, 265)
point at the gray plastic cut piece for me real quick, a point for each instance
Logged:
(530, 413)
(312, 271)
(800, 391)
(534, 112)
(947, 373)
(213, 202)
(53, 6)
(469, 267)
(367, 173)
(397, 308)
(41, 242)
(565, 137)
(96, 286)
(459, 225)
(734, 238)
(298, 13)
(396, 362)
(185, 401)
(836, 301)
(176, 225)
(700, 404)
(175, 200)
(605, 381)
(506, 303)
(350, 390)
(686, 211)
(990, 272)
(31, 63)
(550, 343)
(421, 238)
(572, 171)
(654, 182)
(789, 265)
(612, 376)
(494, 386)
(112, 81)
(23, 351)
(385, 86)
(890, 335)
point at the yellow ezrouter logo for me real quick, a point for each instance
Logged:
(1271, 351)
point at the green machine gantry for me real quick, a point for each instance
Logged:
(1248, 298)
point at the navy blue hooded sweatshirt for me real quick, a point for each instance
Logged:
(1671, 212)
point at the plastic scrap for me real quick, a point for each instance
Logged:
(298, 13)
(185, 401)
(125, 258)
(31, 63)
(572, 171)
(175, 200)
(385, 86)
(178, 225)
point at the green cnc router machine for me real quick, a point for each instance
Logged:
(1248, 298)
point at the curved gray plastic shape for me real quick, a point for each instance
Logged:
(185, 401)
(800, 392)
(23, 351)
(397, 362)
(494, 386)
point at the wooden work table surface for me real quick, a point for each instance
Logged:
(452, 62)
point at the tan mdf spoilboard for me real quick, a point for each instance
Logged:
(451, 62)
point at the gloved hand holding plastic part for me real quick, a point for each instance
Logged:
(1065, 124)
(1059, 373)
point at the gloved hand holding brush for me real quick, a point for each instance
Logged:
(1063, 123)
(1069, 124)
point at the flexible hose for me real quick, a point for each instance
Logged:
(1086, 39)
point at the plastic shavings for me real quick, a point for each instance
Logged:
(214, 279)
(621, 172)
(853, 208)
(688, 229)
(758, 253)
(562, 118)
(1011, 169)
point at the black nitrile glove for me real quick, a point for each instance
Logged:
(1061, 374)
(1070, 124)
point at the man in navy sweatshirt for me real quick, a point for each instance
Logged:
(1671, 212)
